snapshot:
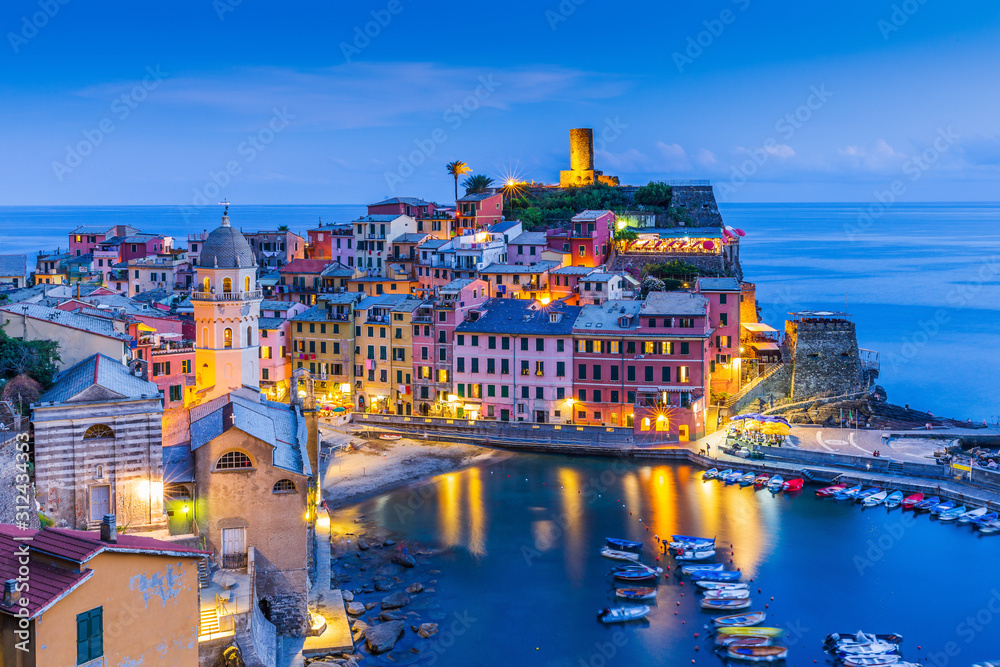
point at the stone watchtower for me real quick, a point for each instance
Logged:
(226, 313)
(581, 161)
(824, 353)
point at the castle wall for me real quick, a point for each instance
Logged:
(825, 354)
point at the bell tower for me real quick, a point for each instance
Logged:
(226, 305)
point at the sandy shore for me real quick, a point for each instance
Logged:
(380, 466)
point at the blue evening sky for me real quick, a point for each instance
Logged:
(290, 103)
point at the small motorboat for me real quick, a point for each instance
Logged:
(756, 632)
(761, 481)
(872, 648)
(828, 491)
(912, 499)
(619, 543)
(793, 484)
(757, 653)
(734, 477)
(872, 660)
(943, 507)
(867, 493)
(710, 474)
(615, 554)
(747, 479)
(953, 514)
(717, 575)
(674, 544)
(989, 528)
(838, 638)
(736, 640)
(691, 538)
(972, 515)
(634, 575)
(986, 518)
(389, 436)
(710, 567)
(727, 594)
(636, 593)
(622, 614)
(695, 553)
(728, 585)
(775, 483)
(875, 499)
(723, 474)
(725, 604)
(926, 504)
(848, 494)
(740, 620)
(894, 499)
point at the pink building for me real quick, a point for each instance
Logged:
(564, 282)
(331, 241)
(587, 239)
(724, 296)
(513, 361)
(644, 365)
(275, 346)
(478, 211)
(85, 239)
(434, 324)
(411, 206)
(170, 367)
(526, 248)
(137, 246)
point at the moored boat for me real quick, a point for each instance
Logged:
(757, 631)
(619, 543)
(912, 499)
(710, 474)
(615, 554)
(860, 637)
(622, 614)
(727, 594)
(793, 484)
(708, 567)
(986, 518)
(926, 504)
(747, 479)
(828, 491)
(723, 474)
(736, 640)
(867, 493)
(761, 480)
(634, 575)
(872, 648)
(953, 514)
(848, 494)
(942, 507)
(972, 515)
(757, 653)
(728, 585)
(989, 528)
(695, 553)
(894, 499)
(875, 499)
(725, 604)
(775, 483)
(636, 593)
(716, 575)
(872, 660)
(734, 477)
(692, 538)
(740, 620)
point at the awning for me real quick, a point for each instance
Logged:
(473, 407)
(758, 327)
(765, 347)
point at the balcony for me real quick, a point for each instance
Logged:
(226, 296)
(234, 561)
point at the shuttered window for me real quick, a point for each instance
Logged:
(89, 635)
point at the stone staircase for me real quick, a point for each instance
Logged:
(208, 621)
(204, 573)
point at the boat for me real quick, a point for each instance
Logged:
(636, 593)
(986, 518)
(695, 553)
(615, 554)
(926, 504)
(619, 543)
(728, 585)
(674, 544)
(867, 493)
(972, 515)
(828, 491)
(989, 528)
(757, 653)
(734, 640)
(723, 474)
(953, 514)
(756, 632)
(872, 660)
(837, 638)
(775, 483)
(875, 499)
(733, 477)
(389, 436)
(872, 648)
(716, 575)
(692, 538)
(725, 604)
(740, 620)
(727, 594)
(747, 479)
(761, 481)
(912, 499)
(710, 474)
(943, 507)
(711, 567)
(847, 494)
(634, 575)
(622, 614)
(793, 484)
(894, 499)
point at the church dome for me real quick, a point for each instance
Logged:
(226, 248)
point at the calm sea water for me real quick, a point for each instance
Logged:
(921, 281)
(521, 568)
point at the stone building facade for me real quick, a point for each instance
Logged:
(824, 351)
(98, 446)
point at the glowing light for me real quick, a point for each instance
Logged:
(345, 388)
(544, 301)
(186, 509)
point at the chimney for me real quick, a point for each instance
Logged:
(11, 596)
(109, 529)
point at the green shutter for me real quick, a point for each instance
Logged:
(96, 633)
(82, 638)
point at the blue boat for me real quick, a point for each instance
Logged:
(867, 492)
(847, 493)
(986, 518)
(716, 575)
(944, 507)
(619, 543)
(693, 539)
(927, 503)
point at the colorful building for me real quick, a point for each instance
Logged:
(724, 298)
(373, 236)
(587, 238)
(478, 211)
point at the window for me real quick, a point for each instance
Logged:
(648, 374)
(631, 373)
(684, 374)
(723, 319)
(250, 336)
(227, 337)
(560, 345)
(233, 461)
(539, 392)
(597, 396)
(504, 367)
(491, 366)
(560, 369)
(461, 339)
(492, 342)
(539, 345)
(597, 372)
(524, 392)
(185, 366)
(89, 635)
(227, 284)
(582, 372)
(283, 486)
(665, 373)
(539, 368)
(460, 365)
(582, 394)
(475, 364)
(614, 396)
(176, 392)
(614, 373)
(685, 348)
(505, 343)
(524, 344)
(491, 390)
(246, 284)
(524, 367)
(98, 431)
(722, 299)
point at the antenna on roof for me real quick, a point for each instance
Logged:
(225, 213)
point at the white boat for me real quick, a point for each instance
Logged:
(695, 553)
(876, 499)
(952, 515)
(872, 648)
(727, 594)
(972, 515)
(872, 660)
(622, 614)
(895, 499)
(727, 585)
(687, 544)
(713, 567)
(989, 528)
(710, 474)
(615, 554)
(776, 483)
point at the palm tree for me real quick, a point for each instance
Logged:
(283, 228)
(456, 169)
(476, 184)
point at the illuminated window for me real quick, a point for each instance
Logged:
(227, 338)
(443, 375)
(246, 284)
(684, 374)
(207, 285)
(283, 486)
(645, 423)
(98, 431)
(227, 284)
(233, 461)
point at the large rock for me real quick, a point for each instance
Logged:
(362, 545)
(395, 601)
(383, 637)
(415, 588)
(406, 560)
(427, 630)
(382, 584)
(348, 596)
(391, 616)
(355, 608)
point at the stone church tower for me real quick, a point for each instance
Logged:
(226, 312)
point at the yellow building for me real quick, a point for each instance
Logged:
(97, 598)
(383, 363)
(323, 343)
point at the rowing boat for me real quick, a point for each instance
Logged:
(716, 575)
(894, 499)
(615, 554)
(714, 585)
(727, 594)
(912, 500)
(793, 484)
(636, 593)
(775, 483)
(828, 491)
(695, 553)
(973, 515)
(725, 604)
(710, 567)
(953, 514)
(710, 474)
(761, 481)
(740, 620)
(757, 653)
(619, 543)
(622, 614)
(875, 499)
(733, 640)
(757, 632)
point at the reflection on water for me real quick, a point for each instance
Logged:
(462, 514)
(572, 508)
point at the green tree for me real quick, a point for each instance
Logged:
(282, 228)
(34, 358)
(457, 169)
(477, 184)
(656, 195)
